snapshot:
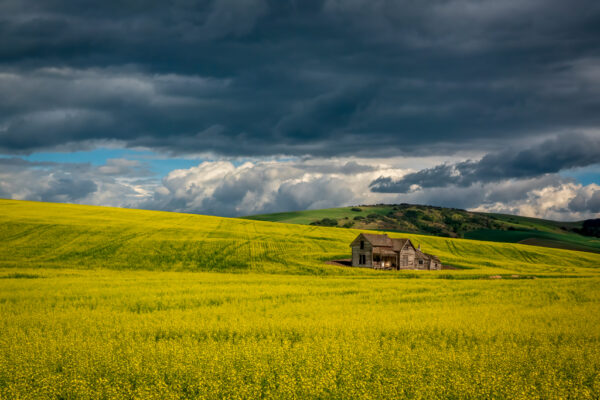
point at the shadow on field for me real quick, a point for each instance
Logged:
(346, 262)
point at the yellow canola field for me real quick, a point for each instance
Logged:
(101, 303)
(80, 334)
(73, 236)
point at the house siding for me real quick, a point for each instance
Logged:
(367, 252)
(407, 258)
(435, 265)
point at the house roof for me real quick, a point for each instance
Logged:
(378, 240)
(384, 251)
(420, 254)
(426, 256)
(398, 244)
(385, 241)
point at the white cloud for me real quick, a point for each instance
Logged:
(222, 188)
(564, 201)
(230, 188)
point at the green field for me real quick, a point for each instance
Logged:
(99, 303)
(305, 217)
(539, 238)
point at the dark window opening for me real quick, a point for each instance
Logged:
(362, 244)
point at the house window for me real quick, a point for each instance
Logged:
(362, 244)
(362, 259)
(420, 262)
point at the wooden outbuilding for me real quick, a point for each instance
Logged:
(382, 252)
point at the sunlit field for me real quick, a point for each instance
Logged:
(114, 334)
(99, 303)
(60, 236)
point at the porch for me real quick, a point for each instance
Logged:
(385, 259)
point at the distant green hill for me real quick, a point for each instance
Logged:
(446, 222)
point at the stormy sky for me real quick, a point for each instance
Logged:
(235, 107)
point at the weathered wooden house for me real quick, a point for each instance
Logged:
(382, 252)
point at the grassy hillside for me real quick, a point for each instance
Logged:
(538, 238)
(73, 236)
(448, 222)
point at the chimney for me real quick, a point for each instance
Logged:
(419, 247)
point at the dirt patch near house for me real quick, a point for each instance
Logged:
(346, 262)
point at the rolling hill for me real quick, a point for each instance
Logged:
(52, 235)
(448, 222)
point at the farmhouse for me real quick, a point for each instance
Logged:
(382, 252)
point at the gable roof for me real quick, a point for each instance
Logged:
(384, 240)
(398, 244)
(378, 240)
(425, 256)
(420, 254)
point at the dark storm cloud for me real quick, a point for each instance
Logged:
(45, 181)
(586, 202)
(64, 189)
(551, 156)
(264, 77)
